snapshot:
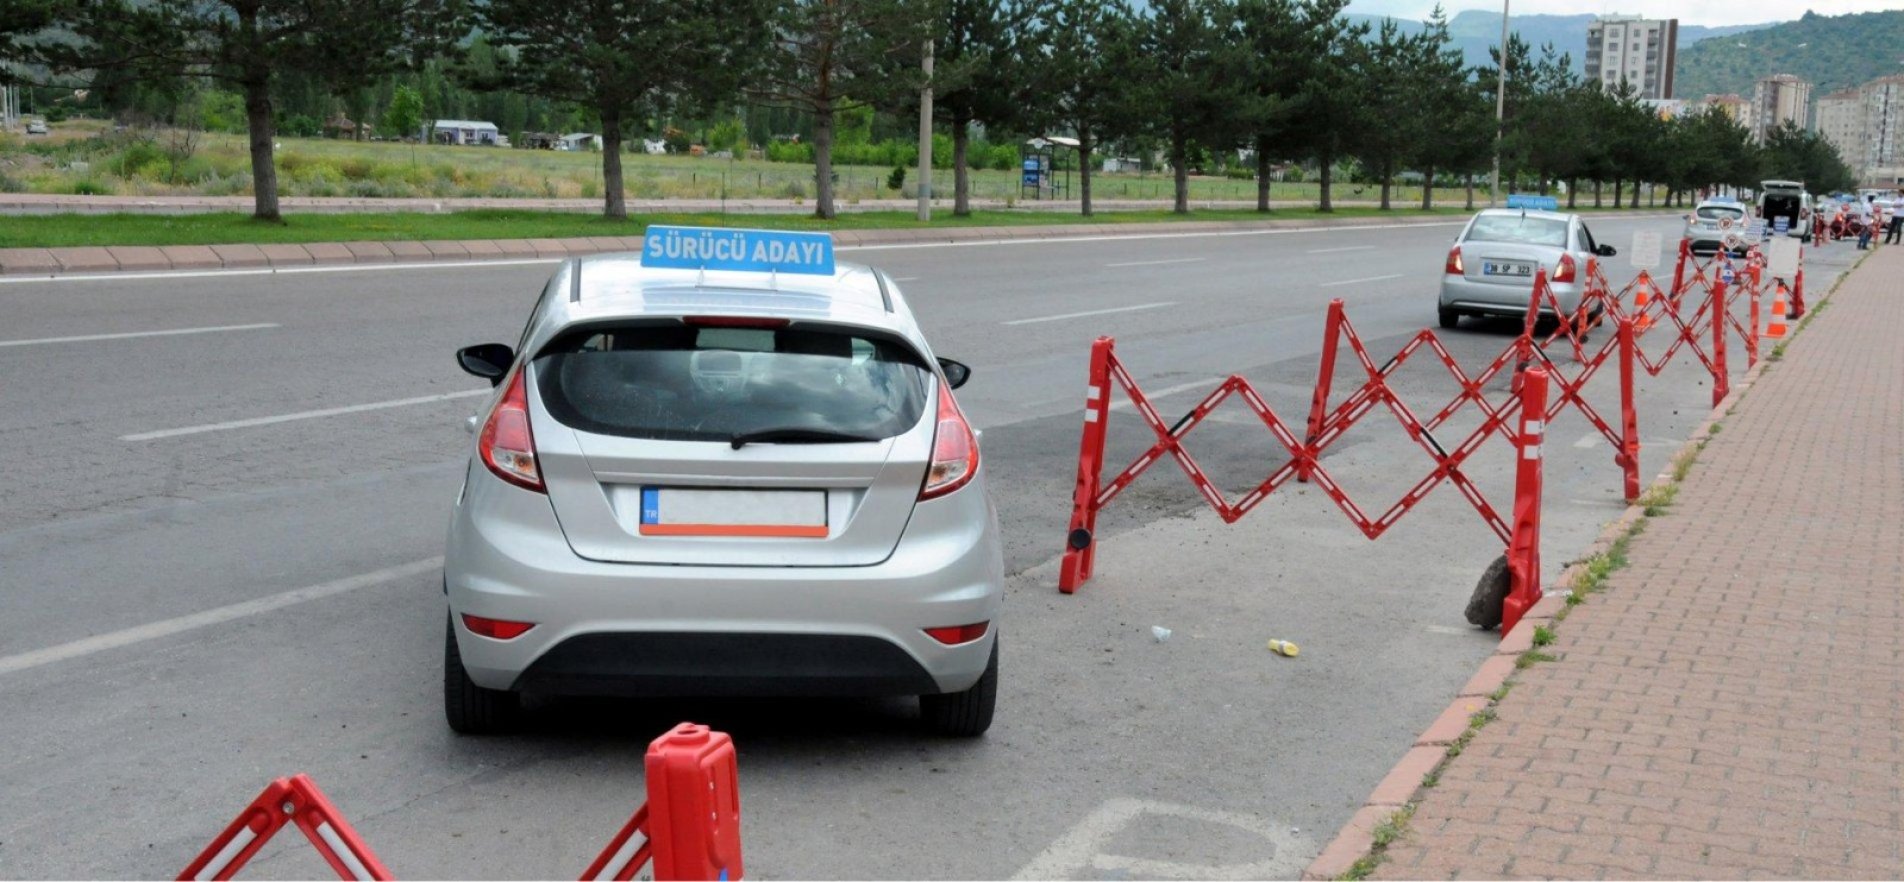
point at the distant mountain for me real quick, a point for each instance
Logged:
(1475, 31)
(1833, 52)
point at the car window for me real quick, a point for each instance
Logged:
(671, 381)
(1719, 212)
(1586, 239)
(1519, 228)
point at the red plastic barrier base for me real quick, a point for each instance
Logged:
(690, 825)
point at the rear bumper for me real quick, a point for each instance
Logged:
(1464, 295)
(704, 664)
(715, 630)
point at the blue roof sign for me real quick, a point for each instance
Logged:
(1537, 203)
(750, 251)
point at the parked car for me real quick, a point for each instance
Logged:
(1491, 268)
(1709, 224)
(721, 481)
(36, 127)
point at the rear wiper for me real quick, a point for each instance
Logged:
(797, 436)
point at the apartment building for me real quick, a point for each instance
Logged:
(1777, 100)
(1866, 125)
(1636, 50)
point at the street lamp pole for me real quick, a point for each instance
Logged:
(925, 140)
(1500, 113)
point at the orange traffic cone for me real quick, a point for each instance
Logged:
(1775, 328)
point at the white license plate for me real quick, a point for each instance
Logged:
(681, 511)
(1492, 268)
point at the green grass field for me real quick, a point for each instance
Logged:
(64, 230)
(81, 157)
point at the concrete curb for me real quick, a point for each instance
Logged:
(1357, 838)
(57, 261)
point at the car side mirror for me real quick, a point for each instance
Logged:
(956, 372)
(1606, 251)
(490, 361)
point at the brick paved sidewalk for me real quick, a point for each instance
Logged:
(1732, 705)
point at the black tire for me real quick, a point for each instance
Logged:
(1486, 607)
(964, 714)
(1450, 319)
(469, 708)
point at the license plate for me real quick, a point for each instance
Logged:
(1492, 268)
(682, 511)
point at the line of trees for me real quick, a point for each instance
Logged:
(1249, 85)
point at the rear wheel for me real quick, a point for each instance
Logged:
(472, 709)
(1450, 319)
(964, 714)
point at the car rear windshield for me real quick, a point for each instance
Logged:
(678, 382)
(1519, 228)
(1719, 212)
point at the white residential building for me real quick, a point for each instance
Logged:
(1632, 49)
(1866, 125)
(1777, 100)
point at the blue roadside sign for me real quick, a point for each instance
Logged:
(1033, 173)
(1537, 203)
(755, 251)
(1725, 275)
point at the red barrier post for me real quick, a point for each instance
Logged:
(1679, 269)
(1523, 544)
(1752, 336)
(295, 800)
(1721, 382)
(1080, 552)
(1325, 377)
(1798, 288)
(694, 805)
(1628, 459)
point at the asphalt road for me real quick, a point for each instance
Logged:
(218, 565)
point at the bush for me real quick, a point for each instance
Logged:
(91, 187)
(896, 180)
(298, 125)
(357, 168)
(1236, 173)
(783, 151)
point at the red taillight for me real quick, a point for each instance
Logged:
(507, 446)
(1564, 271)
(735, 321)
(954, 450)
(495, 629)
(960, 634)
(1455, 267)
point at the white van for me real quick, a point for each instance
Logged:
(1786, 199)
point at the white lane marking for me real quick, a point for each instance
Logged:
(276, 271)
(1072, 315)
(1156, 262)
(1362, 281)
(1155, 394)
(1214, 234)
(1081, 849)
(1446, 629)
(215, 616)
(907, 279)
(175, 332)
(302, 415)
(1340, 250)
(1587, 441)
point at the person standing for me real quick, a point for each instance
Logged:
(1895, 229)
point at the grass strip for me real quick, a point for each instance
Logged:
(229, 228)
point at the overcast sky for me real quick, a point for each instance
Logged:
(1701, 12)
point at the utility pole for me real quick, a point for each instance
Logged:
(925, 140)
(1500, 114)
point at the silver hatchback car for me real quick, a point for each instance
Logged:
(1490, 270)
(722, 482)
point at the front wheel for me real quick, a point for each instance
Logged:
(469, 708)
(964, 714)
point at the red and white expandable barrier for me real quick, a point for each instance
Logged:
(689, 827)
(294, 800)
